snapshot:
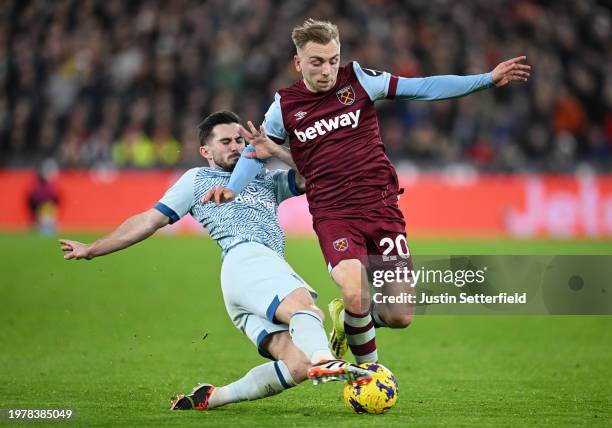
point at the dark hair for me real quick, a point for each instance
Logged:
(205, 127)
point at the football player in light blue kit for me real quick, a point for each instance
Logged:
(264, 297)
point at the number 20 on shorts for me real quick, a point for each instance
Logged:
(390, 244)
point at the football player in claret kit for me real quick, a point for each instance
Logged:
(352, 188)
(264, 297)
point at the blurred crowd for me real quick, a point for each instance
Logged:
(113, 83)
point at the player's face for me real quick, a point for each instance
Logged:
(318, 65)
(224, 147)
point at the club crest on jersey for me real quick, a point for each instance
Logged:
(346, 95)
(341, 244)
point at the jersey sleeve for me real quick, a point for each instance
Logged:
(440, 87)
(245, 171)
(273, 122)
(380, 85)
(285, 186)
(178, 200)
(374, 82)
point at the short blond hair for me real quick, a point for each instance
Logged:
(311, 30)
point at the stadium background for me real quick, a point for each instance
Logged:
(104, 86)
(101, 99)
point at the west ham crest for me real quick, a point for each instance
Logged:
(341, 244)
(346, 95)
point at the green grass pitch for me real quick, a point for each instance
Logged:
(116, 337)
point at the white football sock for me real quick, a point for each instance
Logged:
(260, 382)
(307, 332)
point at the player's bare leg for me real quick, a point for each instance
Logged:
(394, 315)
(350, 276)
(307, 333)
(298, 300)
(282, 348)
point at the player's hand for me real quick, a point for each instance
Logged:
(219, 195)
(264, 147)
(511, 71)
(75, 250)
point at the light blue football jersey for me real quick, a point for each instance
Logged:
(251, 217)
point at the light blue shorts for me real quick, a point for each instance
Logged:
(254, 281)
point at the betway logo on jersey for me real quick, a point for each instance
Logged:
(323, 126)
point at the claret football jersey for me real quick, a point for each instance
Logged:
(335, 141)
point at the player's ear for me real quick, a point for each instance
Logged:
(205, 152)
(297, 63)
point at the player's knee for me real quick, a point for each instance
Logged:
(350, 277)
(348, 273)
(308, 308)
(317, 311)
(298, 300)
(398, 320)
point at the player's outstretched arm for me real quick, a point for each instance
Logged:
(384, 85)
(131, 231)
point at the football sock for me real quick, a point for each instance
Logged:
(361, 336)
(260, 382)
(308, 334)
(378, 321)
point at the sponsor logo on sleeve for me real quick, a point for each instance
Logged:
(373, 73)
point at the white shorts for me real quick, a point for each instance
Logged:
(254, 281)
